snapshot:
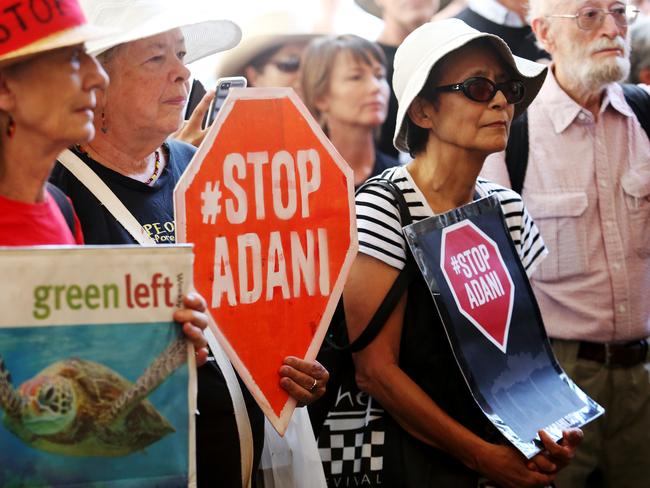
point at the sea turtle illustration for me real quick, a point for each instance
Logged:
(78, 407)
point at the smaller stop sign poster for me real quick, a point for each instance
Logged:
(487, 307)
(269, 205)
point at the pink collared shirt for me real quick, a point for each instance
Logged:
(588, 188)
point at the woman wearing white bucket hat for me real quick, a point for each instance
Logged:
(133, 159)
(458, 90)
(35, 126)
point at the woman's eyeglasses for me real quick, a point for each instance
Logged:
(483, 90)
(288, 65)
(589, 18)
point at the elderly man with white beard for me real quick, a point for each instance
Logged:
(587, 185)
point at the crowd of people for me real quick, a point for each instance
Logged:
(428, 107)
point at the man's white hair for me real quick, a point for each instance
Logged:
(540, 8)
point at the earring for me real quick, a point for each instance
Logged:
(104, 128)
(11, 127)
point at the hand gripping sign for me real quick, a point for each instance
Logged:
(484, 299)
(269, 204)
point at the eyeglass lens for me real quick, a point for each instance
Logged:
(592, 17)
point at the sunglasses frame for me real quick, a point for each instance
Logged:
(496, 87)
(281, 64)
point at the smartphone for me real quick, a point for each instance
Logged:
(196, 94)
(223, 86)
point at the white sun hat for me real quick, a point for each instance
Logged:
(53, 27)
(428, 44)
(263, 32)
(204, 30)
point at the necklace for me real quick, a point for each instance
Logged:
(149, 181)
(156, 168)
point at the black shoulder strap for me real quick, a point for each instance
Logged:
(399, 286)
(64, 205)
(517, 152)
(639, 101)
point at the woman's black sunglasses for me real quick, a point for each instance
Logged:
(483, 90)
(288, 65)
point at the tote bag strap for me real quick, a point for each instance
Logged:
(105, 195)
(239, 406)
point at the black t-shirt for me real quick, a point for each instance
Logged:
(382, 162)
(152, 206)
(217, 438)
(520, 40)
(385, 143)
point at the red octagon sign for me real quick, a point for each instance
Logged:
(269, 205)
(478, 279)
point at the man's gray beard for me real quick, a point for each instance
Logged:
(590, 76)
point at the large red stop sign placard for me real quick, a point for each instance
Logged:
(269, 205)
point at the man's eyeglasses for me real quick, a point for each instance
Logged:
(589, 18)
(288, 65)
(483, 90)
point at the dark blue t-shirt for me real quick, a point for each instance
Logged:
(152, 206)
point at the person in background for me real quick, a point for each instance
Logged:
(400, 19)
(270, 51)
(133, 155)
(506, 19)
(587, 184)
(435, 436)
(449, 9)
(267, 56)
(643, 6)
(344, 86)
(35, 127)
(640, 52)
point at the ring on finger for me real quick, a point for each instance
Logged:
(313, 386)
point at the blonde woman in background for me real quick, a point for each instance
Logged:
(344, 86)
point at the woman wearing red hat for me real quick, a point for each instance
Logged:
(48, 87)
(36, 126)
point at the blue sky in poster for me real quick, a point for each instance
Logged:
(127, 349)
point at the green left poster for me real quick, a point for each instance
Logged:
(97, 388)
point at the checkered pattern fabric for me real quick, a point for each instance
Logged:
(352, 452)
(351, 443)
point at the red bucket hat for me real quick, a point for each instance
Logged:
(36, 26)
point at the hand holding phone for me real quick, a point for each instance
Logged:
(223, 86)
(192, 130)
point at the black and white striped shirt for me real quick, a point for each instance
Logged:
(380, 229)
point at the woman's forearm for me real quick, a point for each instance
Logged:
(418, 414)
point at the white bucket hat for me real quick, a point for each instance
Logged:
(205, 33)
(61, 26)
(428, 44)
(262, 33)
